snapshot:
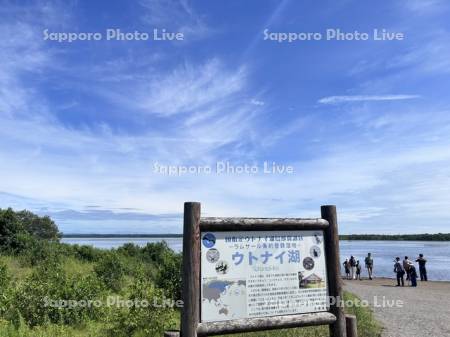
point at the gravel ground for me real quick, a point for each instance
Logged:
(425, 311)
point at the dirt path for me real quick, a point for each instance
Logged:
(425, 311)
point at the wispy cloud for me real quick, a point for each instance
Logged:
(189, 88)
(175, 14)
(257, 102)
(364, 98)
(425, 6)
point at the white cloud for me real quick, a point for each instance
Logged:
(190, 88)
(364, 98)
(424, 6)
(175, 14)
(257, 102)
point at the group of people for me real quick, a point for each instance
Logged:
(353, 267)
(407, 268)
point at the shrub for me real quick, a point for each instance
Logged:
(144, 320)
(168, 266)
(39, 298)
(111, 270)
(130, 249)
(169, 276)
(86, 253)
(4, 289)
(4, 277)
(156, 252)
(42, 252)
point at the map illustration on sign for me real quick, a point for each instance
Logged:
(220, 297)
(262, 273)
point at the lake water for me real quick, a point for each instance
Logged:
(383, 252)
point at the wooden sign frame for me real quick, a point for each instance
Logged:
(194, 224)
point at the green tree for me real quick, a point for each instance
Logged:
(10, 228)
(39, 227)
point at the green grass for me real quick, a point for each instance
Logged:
(16, 268)
(367, 325)
(52, 330)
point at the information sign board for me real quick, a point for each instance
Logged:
(249, 274)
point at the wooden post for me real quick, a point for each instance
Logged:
(191, 270)
(352, 328)
(337, 329)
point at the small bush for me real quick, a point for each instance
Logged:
(144, 320)
(130, 249)
(42, 252)
(86, 253)
(169, 276)
(111, 270)
(4, 289)
(43, 297)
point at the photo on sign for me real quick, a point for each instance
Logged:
(308, 263)
(221, 267)
(310, 281)
(213, 255)
(209, 240)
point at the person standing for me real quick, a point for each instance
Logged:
(358, 270)
(369, 265)
(422, 269)
(353, 267)
(406, 266)
(413, 275)
(347, 269)
(400, 272)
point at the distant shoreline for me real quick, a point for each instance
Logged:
(116, 236)
(396, 237)
(352, 237)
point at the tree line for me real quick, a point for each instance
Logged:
(398, 237)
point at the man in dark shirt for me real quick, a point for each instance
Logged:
(398, 269)
(422, 269)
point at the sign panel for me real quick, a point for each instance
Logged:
(247, 274)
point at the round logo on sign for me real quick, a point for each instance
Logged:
(221, 267)
(209, 240)
(315, 252)
(212, 255)
(308, 263)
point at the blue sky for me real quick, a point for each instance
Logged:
(365, 124)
